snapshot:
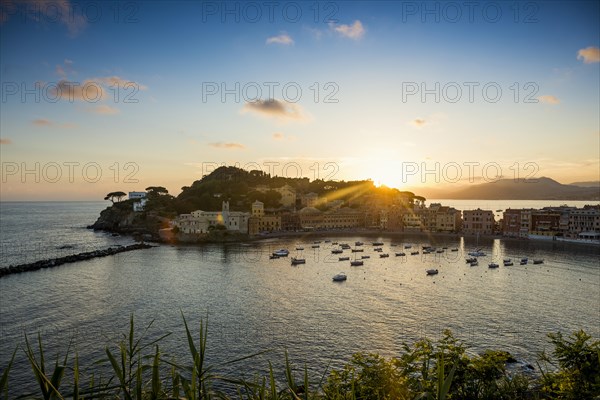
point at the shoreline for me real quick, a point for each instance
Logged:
(371, 233)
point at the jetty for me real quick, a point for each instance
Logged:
(55, 262)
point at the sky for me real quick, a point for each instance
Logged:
(122, 95)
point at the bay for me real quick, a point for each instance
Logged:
(253, 303)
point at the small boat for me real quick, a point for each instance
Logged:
(408, 246)
(377, 243)
(343, 258)
(334, 243)
(273, 257)
(474, 263)
(414, 253)
(281, 253)
(337, 251)
(327, 241)
(364, 257)
(296, 261)
(384, 255)
(432, 271)
(508, 262)
(493, 265)
(358, 243)
(378, 249)
(444, 248)
(299, 248)
(470, 260)
(477, 253)
(400, 254)
(393, 244)
(439, 251)
(317, 242)
(358, 250)
(356, 263)
(454, 249)
(344, 246)
(538, 261)
(340, 277)
(524, 261)
(315, 246)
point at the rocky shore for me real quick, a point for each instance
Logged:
(55, 262)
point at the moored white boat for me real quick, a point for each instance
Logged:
(340, 277)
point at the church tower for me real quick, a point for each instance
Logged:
(225, 214)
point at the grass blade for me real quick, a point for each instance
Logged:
(4, 378)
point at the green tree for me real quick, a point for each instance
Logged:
(578, 359)
(155, 191)
(115, 195)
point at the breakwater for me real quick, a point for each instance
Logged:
(55, 262)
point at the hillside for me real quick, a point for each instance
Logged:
(509, 189)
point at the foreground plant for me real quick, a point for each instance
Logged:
(138, 369)
(576, 361)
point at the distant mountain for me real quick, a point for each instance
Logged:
(586, 184)
(523, 189)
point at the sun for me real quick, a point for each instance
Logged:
(388, 167)
(386, 173)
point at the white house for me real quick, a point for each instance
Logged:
(141, 200)
(199, 221)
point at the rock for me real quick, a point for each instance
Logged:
(70, 259)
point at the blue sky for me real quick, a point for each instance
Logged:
(543, 56)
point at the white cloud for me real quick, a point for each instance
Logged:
(589, 55)
(418, 123)
(354, 31)
(277, 109)
(57, 11)
(229, 146)
(104, 109)
(549, 99)
(284, 39)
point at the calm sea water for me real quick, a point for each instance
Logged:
(253, 303)
(31, 231)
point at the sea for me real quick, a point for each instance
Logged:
(257, 305)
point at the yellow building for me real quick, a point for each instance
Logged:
(259, 222)
(288, 196)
